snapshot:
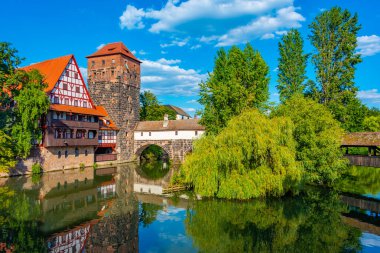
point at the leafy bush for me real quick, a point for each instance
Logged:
(36, 169)
(95, 166)
(252, 157)
(82, 166)
(318, 136)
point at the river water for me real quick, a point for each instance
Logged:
(122, 209)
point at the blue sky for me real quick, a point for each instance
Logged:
(177, 40)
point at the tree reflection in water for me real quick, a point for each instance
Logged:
(308, 223)
(360, 180)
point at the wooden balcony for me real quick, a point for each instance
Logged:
(75, 124)
(105, 157)
(50, 141)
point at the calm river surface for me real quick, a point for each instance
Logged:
(122, 209)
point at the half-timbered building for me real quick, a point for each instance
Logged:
(71, 131)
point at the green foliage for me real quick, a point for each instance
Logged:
(239, 81)
(254, 156)
(151, 109)
(7, 157)
(360, 180)
(371, 124)
(32, 105)
(95, 166)
(308, 223)
(36, 168)
(82, 166)
(153, 152)
(148, 213)
(292, 65)
(333, 34)
(318, 136)
(153, 169)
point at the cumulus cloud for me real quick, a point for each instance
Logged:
(164, 77)
(132, 18)
(168, 61)
(371, 96)
(263, 26)
(368, 45)
(267, 18)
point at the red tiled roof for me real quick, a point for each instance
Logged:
(52, 70)
(361, 139)
(80, 110)
(188, 124)
(112, 125)
(114, 48)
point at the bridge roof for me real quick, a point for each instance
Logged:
(361, 139)
(173, 125)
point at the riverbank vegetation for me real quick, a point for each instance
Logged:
(253, 149)
(23, 103)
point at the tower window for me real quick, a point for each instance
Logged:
(103, 62)
(93, 63)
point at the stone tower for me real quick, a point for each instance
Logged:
(114, 82)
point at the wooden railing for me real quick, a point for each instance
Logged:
(363, 160)
(173, 188)
(105, 157)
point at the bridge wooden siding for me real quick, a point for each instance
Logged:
(370, 140)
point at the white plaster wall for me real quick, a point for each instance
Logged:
(146, 188)
(167, 135)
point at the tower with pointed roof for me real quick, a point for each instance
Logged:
(114, 82)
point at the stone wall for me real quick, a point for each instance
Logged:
(50, 160)
(176, 149)
(119, 93)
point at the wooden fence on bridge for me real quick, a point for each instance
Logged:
(363, 160)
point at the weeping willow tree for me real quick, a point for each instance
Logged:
(7, 157)
(252, 157)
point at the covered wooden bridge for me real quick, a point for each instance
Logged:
(369, 140)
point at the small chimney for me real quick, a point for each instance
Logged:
(166, 120)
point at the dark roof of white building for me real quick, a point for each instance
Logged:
(189, 124)
(178, 110)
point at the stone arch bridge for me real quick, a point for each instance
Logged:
(175, 137)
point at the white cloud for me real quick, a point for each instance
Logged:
(163, 52)
(193, 101)
(151, 79)
(163, 77)
(132, 18)
(371, 97)
(267, 18)
(83, 71)
(195, 47)
(142, 52)
(133, 52)
(176, 42)
(267, 36)
(168, 62)
(100, 46)
(368, 45)
(284, 18)
(175, 13)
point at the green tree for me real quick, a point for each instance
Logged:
(31, 106)
(371, 124)
(333, 34)
(7, 157)
(292, 65)
(253, 157)
(318, 136)
(239, 81)
(151, 109)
